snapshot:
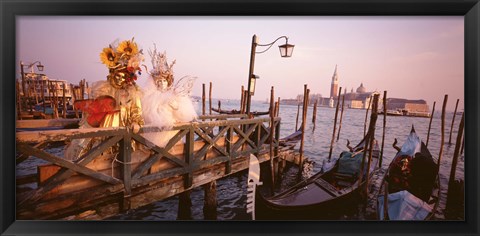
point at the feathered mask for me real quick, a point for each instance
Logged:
(123, 62)
(161, 68)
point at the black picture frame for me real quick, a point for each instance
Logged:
(12, 8)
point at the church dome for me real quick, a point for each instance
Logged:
(361, 89)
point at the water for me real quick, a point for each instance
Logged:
(232, 190)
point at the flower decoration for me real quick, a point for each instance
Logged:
(123, 63)
(109, 57)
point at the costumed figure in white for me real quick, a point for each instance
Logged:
(166, 103)
(116, 102)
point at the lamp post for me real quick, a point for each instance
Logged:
(285, 51)
(40, 68)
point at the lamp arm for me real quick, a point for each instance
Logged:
(29, 66)
(271, 44)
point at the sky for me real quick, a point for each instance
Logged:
(413, 57)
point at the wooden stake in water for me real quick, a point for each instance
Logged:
(453, 121)
(210, 99)
(272, 131)
(210, 201)
(453, 169)
(203, 99)
(304, 118)
(384, 126)
(277, 107)
(242, 98)
(298, 112)
(443, 131)
(341, 114)
(430, 124)
(371, 130)
(314, 115)
(366, 115)
(334, 124)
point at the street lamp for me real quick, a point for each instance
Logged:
(40, 68)
(285, 51)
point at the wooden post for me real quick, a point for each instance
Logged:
(126, 168)
(463, 145)
(369, 141)
(184, 206)
(371, 130)
(219, 105)
(35, 90)
(64, 102)
(314, 115)
(42, 87)
(203, 99)
(366, 114)
(453, 121)
(245, 95)
(384, 127)
(210, 99)
(277, 107)
(241, 100)
(304, 118)
(334, 124)
(341, 114)
(272, 131)
(453, 169)
(210, 201)
(430, 124)
(443, 131)
(298, 112)
(74, 94)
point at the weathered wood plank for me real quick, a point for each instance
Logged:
(44, 123)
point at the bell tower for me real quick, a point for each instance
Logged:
(334, 86)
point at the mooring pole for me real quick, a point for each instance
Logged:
(184, 206)
(203, 99)
(298, 112)
(384, 126)
(314, 115)
(272, 131)
(371, 130)
(443, 131)
(210, 201)
(366, 115)
(430, 124)
(242, 98)
(334, 124)
(304, 118)
(341, 114)
(453, 169)
(453, 121)
(210, 99)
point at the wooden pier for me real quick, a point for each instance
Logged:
(113, 178)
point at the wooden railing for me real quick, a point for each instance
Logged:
(113, 162)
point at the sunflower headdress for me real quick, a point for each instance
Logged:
(123, 61)
(161, 68)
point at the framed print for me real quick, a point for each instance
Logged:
(176, 118)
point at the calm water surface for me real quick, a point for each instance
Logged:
(231, 191)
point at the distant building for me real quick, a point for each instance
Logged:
(334, 85)
(360, 99)
(409, 106)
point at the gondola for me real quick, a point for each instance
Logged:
(324, 194)
(413, 183)
(234, 112)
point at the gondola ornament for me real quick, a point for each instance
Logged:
(253, 181)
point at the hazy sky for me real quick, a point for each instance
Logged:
(410, 57)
